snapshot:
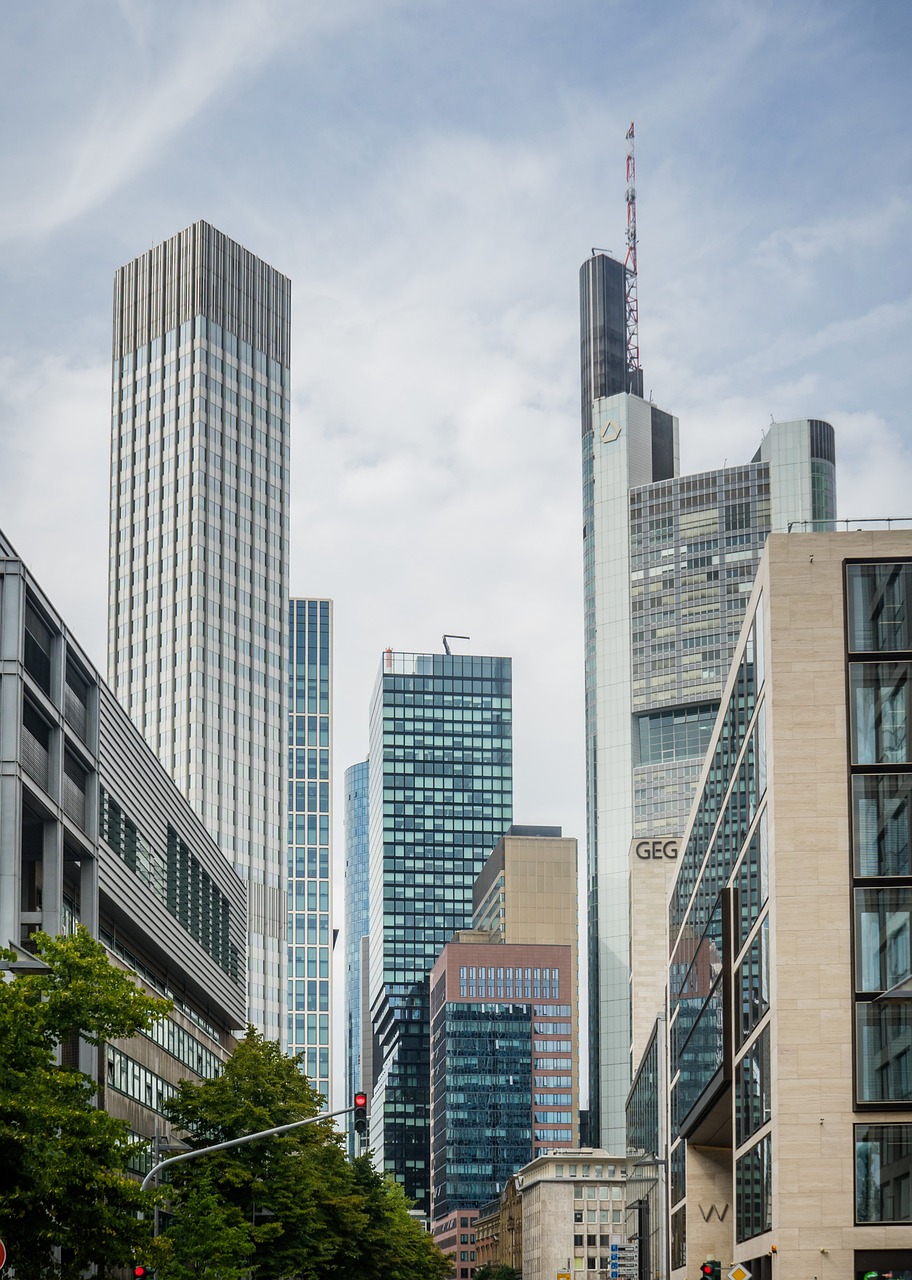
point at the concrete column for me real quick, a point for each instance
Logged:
(10, 852)
(88, 894)
(52, 878)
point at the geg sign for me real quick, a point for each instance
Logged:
(656, 850)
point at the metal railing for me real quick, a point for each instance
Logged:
(849, 526)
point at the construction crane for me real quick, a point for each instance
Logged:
(446, 642)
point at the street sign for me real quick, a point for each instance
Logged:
(739, 1272)
(2, 1254)
(563, 1275)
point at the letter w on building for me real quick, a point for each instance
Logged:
(714, 1209)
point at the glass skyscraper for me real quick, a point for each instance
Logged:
(668, 565)
(357, 917)
(198, 579)
(309, 829)
(440, 797)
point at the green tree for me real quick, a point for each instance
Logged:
(207, 1239)
(63, 1184)
(496, 1271)
(392, 1245)
(307, 1212)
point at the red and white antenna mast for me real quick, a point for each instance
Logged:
(630, 262)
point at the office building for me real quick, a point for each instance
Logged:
(198, 578)
(310, 782)
(440, 797)
(561, 1215)
(790, 1104)
(504, 1028)
(357, 916)
(503, 1065)
(94, 832)
(668, 565)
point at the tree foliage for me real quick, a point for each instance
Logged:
(301, 1210)
(496, 1271)
(63, 1184)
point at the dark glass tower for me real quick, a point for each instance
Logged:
(441, 795)
(357, 916)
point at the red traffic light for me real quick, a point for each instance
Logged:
(360, 1109)
(140, 1272)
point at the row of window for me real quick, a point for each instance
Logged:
(501, 983)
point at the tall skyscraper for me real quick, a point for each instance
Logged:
(440, 797)
(310, 694)
(668, 565)
(357, 917)
(198, 578)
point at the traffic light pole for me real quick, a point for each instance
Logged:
(237, 1142)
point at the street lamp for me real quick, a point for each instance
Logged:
(661, 1164)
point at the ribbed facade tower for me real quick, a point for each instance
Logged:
(198, 578)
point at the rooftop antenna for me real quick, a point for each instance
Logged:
(447, 638)
(630, 262)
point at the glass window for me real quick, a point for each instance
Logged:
(878, 603)
(880, 712)
(883, 1051)
(883, 1172)
(678, 1238)
(753, 1190)
(882, 926)
(882, 824)
(753, 983)
(752, 1088)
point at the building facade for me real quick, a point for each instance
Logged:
(668, 565)
(310, 784)
(790, 1100)
(440, 796)
(573, 1211)
(357, 927)
(198, 577)
(93, 832)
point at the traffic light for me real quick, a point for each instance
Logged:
(711, 1269)
(360, 1109)
(142, 1273)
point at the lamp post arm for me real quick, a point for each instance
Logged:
(237, 1142)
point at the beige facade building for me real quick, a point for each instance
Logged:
(573, 1210)
(790, 923)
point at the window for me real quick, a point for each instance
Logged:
(880, 693)
(883, 919)
(883, 1173)
(37, 652)
(753, 983)
(752, 1088)
(878, 606)
(882, 824)
(883, 1051)
(36, 743)
(753, 1190)
(76, 701)
(74, 790)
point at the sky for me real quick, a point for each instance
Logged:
(431, 174)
